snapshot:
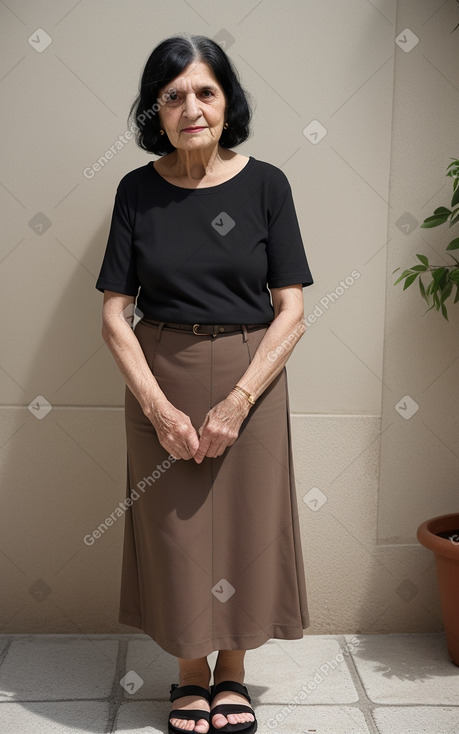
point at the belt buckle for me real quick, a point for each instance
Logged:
(200, 333)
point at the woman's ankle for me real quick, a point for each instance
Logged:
(225, 672)
(194, 673)
(230, 666)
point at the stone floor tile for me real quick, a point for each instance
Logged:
(54, 717)
(142, 717)
(157, 669)
(53, 667)
(318, 719)
(407, 669)
(417, 720)
(314, 667)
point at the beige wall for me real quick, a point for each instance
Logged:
(419, 454)
(391, 126)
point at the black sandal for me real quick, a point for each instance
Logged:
(194, 714)
(246, 727)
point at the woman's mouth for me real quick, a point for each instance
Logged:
(192, 129)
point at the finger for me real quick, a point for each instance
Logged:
(176, 450)
(188, 448)
(203, 448)
(217, 447)
(185, 453)
(181, 452)
(219, 451)
(184, 445)
(203, 425)
(192, 443)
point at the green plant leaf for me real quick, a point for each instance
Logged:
(454, 275)
(434, 221)
(409, 280)
(423, 259)
(446, 292)
(403, 275)
(438, 274)
(442, 278)
(423, 290)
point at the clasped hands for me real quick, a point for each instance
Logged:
(219, 429)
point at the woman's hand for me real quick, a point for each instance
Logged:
(175, 431)
(221, 426)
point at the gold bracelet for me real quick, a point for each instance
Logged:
(249, 397)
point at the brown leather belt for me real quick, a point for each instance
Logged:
(213, 329)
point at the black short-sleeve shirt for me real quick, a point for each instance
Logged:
(207, 255)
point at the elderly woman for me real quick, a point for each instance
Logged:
(212, 555)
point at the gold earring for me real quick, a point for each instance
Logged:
(161, 131)
(225, 126)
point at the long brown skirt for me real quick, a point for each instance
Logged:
(212, 555)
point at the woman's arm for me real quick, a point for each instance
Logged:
(277, 344)
(221, 426)
(175, 431)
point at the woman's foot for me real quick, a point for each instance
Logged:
(201, 726)
(220, 720)
(192, 673)
(230, 666)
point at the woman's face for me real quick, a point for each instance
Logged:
(194, 113)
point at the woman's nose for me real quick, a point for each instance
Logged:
(191, 108)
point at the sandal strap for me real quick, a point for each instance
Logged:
(179, 691)
(194, 714)
(231, 708)
(230, 685)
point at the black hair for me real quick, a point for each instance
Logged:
(166, 62)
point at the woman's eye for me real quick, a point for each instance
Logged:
(207, 93)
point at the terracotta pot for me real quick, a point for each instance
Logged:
(447, 559)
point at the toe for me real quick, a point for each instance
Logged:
(241, 718)
(187, 725)
(201, 726)
(218, 720)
